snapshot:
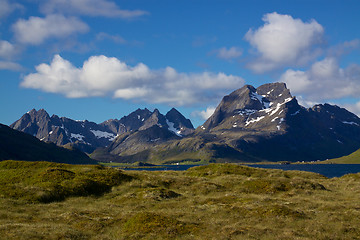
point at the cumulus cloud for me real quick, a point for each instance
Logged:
(228, 54)
(6, 8)
(324, 80)
(204, 114)
(284, 41)
(93, 8)
(36, 30)
(104, 76)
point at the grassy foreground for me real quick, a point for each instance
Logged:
(219, 201)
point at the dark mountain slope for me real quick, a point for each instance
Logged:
(16, 145)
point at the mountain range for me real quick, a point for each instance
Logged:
(88, 136)
(250, 124)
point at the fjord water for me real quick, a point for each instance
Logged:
(163, 168)
(328, 170)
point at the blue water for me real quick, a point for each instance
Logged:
(163, 168)
(328, 170)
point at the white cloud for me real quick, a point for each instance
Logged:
(93, 8)
(284, 41)
(104, 76)
(343, 48)
(115, 38)
(204, 114)
(36, 30)
(6, 65)
(6, 8)
(324, 80)
(228, 54)
(7, 50)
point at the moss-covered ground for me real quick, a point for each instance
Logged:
(217, 201)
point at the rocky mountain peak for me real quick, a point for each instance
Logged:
(32, 122)
(178, 123)
(274, 92)
(156, 118)
(247, 106)
(38, 115)
(243, 98)
(178, 119)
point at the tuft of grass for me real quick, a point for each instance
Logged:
(159, 194)
(148, 222)
(213, 170)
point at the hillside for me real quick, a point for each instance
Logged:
(17, 145)
(353, 158)
(218, 201)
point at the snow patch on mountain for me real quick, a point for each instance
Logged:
(101, 134)
(274, 119)
(247, 111)
(78, 137)
(278, 106)
(269, 91)
(295, 113)
(255, 96)
(351, 123)
(254, 120)
(172, 128)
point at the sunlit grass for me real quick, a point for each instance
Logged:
(218, 201)
(353, 158)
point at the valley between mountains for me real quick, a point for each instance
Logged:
(249, 125)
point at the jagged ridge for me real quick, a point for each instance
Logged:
(88, 136)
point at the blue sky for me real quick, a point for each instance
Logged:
(102, 59)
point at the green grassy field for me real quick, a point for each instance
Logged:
(353, 158)
(218, 201)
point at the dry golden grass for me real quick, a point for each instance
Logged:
(219, 201)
